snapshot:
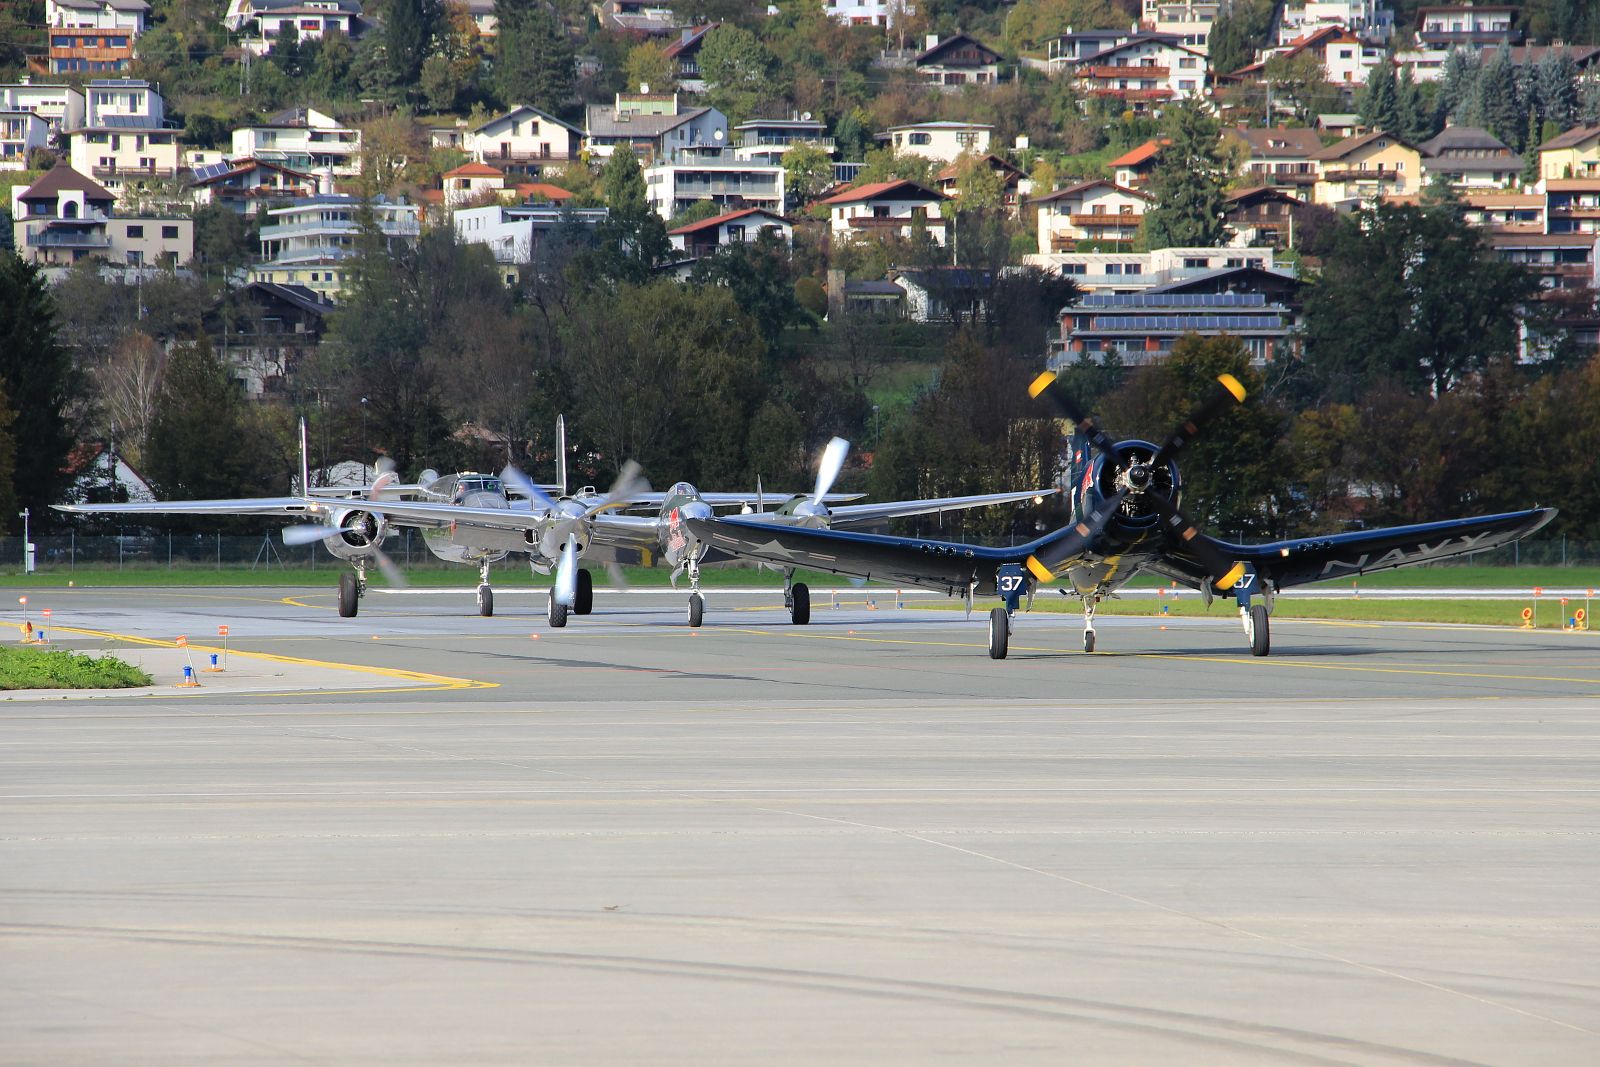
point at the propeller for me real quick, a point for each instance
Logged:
(629, 484)
(1224, 571)
(833, 457)
(305, 534)
(1078, 538)
(1227, 389)
(1063, 403)
(524, 485)
(567, 573)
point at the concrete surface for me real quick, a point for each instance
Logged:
(856, 842)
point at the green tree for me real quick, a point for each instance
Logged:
(200, 442)
(1188, 180)
(38, 378)
(759, 275)
(1456, 82)
(1410, 295)
(1301, 81)
(738, 70)
(807, 173)
(1378, 102)
(648, 64)
(8, 457)
(224, 240)
(1557, 82)
(533, 61)
(409, 28)
(1236, 34)
(1033, 22)
(1496, 105)
(1416, 115)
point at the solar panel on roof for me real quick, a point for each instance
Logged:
(207, 171)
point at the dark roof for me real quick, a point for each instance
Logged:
(901, 188)
(689, 42)
(1572, 138)
(602, 122)
(298, 295)
(1268, 192)
(61, 178)
(873, 289)
(1172, 39)
(1462, 139)
(1279, 141)
(994, 162)
(1340, 149)
(1232, 279)
(933, 54)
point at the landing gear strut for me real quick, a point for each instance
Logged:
(1088, 622)
(485, 593)
(1254, 617)
(697, 603)
(351, 587)
(796, 598)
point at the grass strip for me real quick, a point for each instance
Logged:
(44, 668)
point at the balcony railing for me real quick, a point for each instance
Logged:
(63, 239)
(1576, 211)
(1133, 94)
(768, 140)
(766, 190)
(878, 222)
(1354, 175)
(135, 172)
(1124, 72)
(1100, 221)
(519, 159)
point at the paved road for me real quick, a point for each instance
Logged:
(765, 844)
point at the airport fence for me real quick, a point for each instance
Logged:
(192, 551)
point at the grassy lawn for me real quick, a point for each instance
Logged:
(39, 668)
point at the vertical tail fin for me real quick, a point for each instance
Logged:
(305, 462)
(561, 453)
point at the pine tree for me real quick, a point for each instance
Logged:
(1589, 109)
(533, 60)
(1416, 121)
(1456, 81)
(1379, 106)
(1558, 88)
(1187, 183)
(409, 27)
(1530, 151)
(37, 376)
(1501, 112)
(195, 441)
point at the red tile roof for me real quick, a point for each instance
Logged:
(874, 190)
(718, 220)
(475, 170)
(543, 189)
(1140, 154)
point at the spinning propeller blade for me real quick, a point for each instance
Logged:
(524, 485)
(629, 484)
(828, 470)
(1224, 571)
(567, 573)
(1045, 386)
(304, 535)
(386, 566)
(1226, 392)
(1043, 563)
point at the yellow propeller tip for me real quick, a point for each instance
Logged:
(1041, 383)
(1040, 571)
(1231, 579)
(1231, 384)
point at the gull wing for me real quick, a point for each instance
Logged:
(850, 514)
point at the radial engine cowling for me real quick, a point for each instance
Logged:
(1129, 468)
(360, 534)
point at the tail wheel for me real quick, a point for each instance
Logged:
(697, 609)
(349, 596)
(558, 612)
(584, 602)
(1260, 635)
(800, 604)
(999, 633)
(485, 601)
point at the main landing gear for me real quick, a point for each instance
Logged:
(485, 593)
(697, 603)
(352, 587)
(1088, 622)
(796, 599)
(583, 603)
(1254, 617)
(999, 632)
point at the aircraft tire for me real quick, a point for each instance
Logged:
(485, 601)
(558, 612)
(349, 596)
(999, 633)
(1260, 635)
(800, 604)
(697, 609)
(584, 602)
(1088, 640)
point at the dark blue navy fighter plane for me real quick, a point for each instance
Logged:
(1126, 520)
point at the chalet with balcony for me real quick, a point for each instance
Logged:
(1574, 154)
(1089, 211)
(1189, 20)
(125, 137)
(20, 133)
(1144, 72)
(1561, 260)
(249, 185)
(65, 217)
(957, 61)
(1134, 167)
(302, 139)
(307, 20)
(265, 332)
(1278, 155)
(1346, 58)
(684, 55)
(652, 125)
(524, 139)
(1502, 212)
(943, 141)
(1262, 217)
(1470, 158)
(677, 183)
(1572, 205)
(93, 36)
(1471, 24)
(898, 207)
(1069, 49)
(1366, 168)
(709, 236)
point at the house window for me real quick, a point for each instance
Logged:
(1074, 268)
(966, 138)
(135, 232)
(921, 138)
(135, 258)
(1195, 263)
(1113, 268)
(735, 233)
(1133, 268)
(169, 233)
(1186, 64)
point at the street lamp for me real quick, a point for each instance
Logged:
(27, 542)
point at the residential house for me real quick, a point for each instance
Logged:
(1144, 72)
(1141, 328)
(652, 125)
(308, 242)
(1366, 168)
(93, 36)
(684, 55)
(1014, 182)
(767, 140)
(303, 139)
(1340, 124)
(1065, 52)
(1502, 212)
(521, 236)
(1371, 20)
(1343, 55)
(642, 18)
(1561, 260)
(248, 186)
(484, 20)
(1134, 272)
(1468, 23)
(65, 217)
(524, 139)
(864, 299)
(20, 133)
(479, 182)
(1470, 158)
(62, 106)
(944, 294)
(1089, 211)
(957, 61)
(898, 207)
(1262, 217)
(1277, 155)
(864, 12)
(706, 237)
(307, 20)
(1574, 154)
(125, 136)
(1134, 167)
(1188, 20)
(676, 183)
(265, 332)
(1572, 205)
(942, 141)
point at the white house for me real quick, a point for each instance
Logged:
(124, 136)
(1370, 19)
(894, 207)
(943, 141)
(308, 242)
(515, 235)
(302, 139)
(767, 140)
(1144, 71)
(524, 138)
(1189, 20)
(248, 186)
(704, 238)
(20, 133)
(1132, 272)
(65, 217)
(956, 61)
(676, 183)
(1089, 211)
(1346, 58)
(653, 125)
(308, 20)
(61, 106)
(866, 12)
(1470, 158)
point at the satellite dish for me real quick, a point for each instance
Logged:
(718, 134)
(805, 116)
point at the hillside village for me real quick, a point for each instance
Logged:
(1163, 167)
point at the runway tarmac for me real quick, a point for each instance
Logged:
(860, 841)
